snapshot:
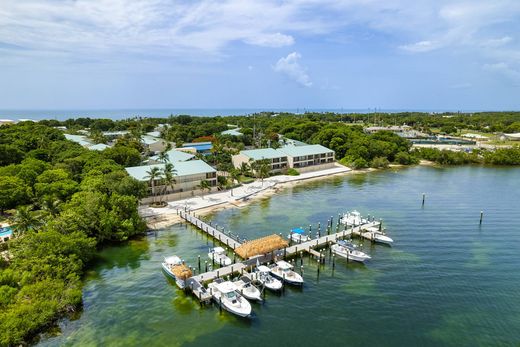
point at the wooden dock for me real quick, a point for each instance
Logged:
(210, 230)
(196, 283)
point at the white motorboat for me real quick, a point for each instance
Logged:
(246, 287)
(283, 270)
(226, 295)
(176, 270)
(353, 218)
(298, 235)
(218, 254)
(263, 276)
(348, 251)
(379, 236)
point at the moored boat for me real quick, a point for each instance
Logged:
(246, 287)
(175, 269)
(298, 235)
(225, 293)
(263, 276)
(348, 251)
(379, 236)
(218, 254)
(353, 218)
(283, 270)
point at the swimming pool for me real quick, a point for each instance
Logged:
(6, 232)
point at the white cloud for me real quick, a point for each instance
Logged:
(421, 46)
(496, 42)
(291, 67)
(271, 40)
(505, 70)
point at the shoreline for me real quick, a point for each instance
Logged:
(159, 218)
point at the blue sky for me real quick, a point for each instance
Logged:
(402, 54)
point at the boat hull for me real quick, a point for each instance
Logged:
(350, 256)
(180, 283)
(288, 280)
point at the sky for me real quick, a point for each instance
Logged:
(351, 54)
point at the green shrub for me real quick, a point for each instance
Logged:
(293, 172)
(379, 163)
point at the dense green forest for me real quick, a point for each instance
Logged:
(67, 200)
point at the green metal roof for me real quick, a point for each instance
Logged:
(175, 155)
(232, 132)
(82, 140)
(98, 147)
(299, 151)
(262, 153)
(183, 168)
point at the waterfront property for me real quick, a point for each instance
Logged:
(276, 159)
(309, 157)
(188, 177)
(304, 157)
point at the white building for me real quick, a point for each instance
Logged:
(277, 160)
(188, 176)
(309, 157)
(304, 157)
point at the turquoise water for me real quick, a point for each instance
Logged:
(6, 231)
(446, 281)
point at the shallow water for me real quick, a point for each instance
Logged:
(446, 281)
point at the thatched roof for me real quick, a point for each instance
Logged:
(260, 246)
(181, 271)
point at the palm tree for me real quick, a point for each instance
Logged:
(163, 157)
(169, 174)
(204, 185)
(234, 174)
(153, 174)
(245, 169)
(264, 168)
(25, 220)
(51, 206)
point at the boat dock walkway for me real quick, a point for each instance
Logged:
(210, 230)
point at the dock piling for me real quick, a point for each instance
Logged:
(423, 197)
(481, 216)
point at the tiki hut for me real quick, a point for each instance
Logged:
(181, 271)
(260, 246)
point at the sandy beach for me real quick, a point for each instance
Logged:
(158, 218)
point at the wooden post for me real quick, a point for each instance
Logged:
(199, 261)
(206, 265)
(220, 303)
(481, 216)
(333, 261)
(217, 274)
(423, 197)
(234, 257)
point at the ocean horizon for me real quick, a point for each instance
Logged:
(115, 114)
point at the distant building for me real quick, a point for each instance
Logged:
(155, 144)
(98, 147)
(510, 137)
(112, 135)
(232, 132)
(188, 176)
(277, 160)
(200, 147)
(475, 137)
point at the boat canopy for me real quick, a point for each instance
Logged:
(219, 250)
(298, 231)
(283, 265)
(226, 287)
(263, 268)
(173, 260)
